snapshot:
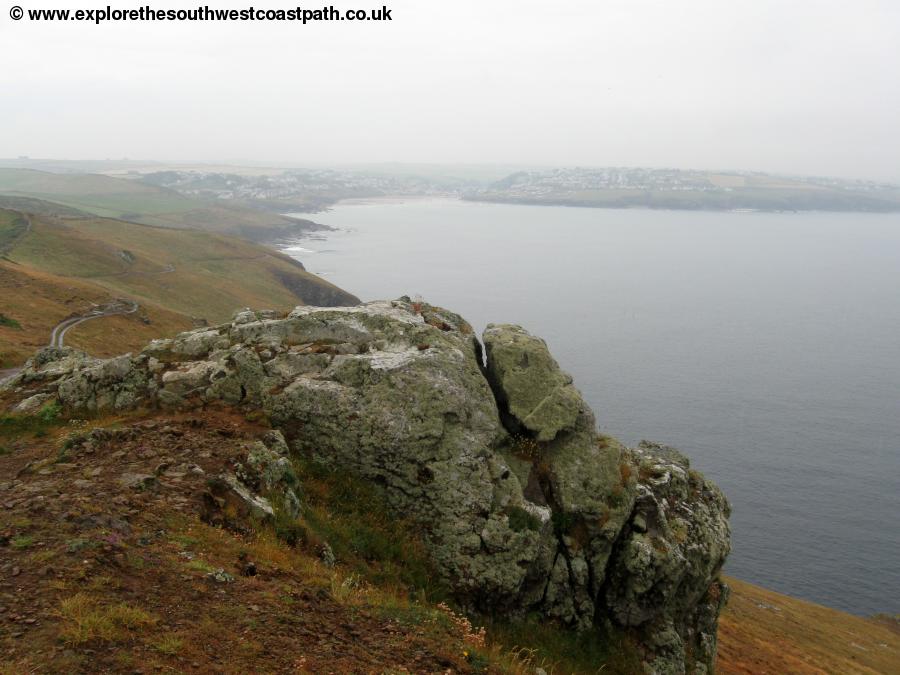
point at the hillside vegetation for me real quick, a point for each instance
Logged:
(124, 569)
(147, 204)
(120, 571)
(55, 267)
(33, 302)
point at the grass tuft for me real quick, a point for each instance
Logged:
(21, 542)
(86, 620)
(169, 644)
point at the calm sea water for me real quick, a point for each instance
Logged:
(766, 346)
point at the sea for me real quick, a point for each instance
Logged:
(766, 346)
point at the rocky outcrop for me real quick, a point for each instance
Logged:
(524, 506)
(539, 397)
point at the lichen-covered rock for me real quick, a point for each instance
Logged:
(523, 505)
(32, 404)
(663, 577)
(229, 503)
(268, 470)
(120, 383)
(84, 383)
(582, 477)
(530, 385)
(48, 365)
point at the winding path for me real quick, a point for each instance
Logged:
(58, 334)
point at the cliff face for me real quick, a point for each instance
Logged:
(523, 505)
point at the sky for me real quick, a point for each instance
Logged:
(800, 87)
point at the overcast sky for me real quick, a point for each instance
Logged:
(806, 86)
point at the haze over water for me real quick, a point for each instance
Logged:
(764, 345)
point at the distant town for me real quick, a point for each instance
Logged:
(310, 190)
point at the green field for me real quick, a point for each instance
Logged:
(137, 202)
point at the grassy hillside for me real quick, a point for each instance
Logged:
(33, 302)
(56, 267)
(138, 202)
(763, 632)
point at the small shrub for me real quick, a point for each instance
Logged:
(520, 520)
(292, 531)
(42, 556)
(562, 522)
(463, 626)
(79, 544)
(14, 426)
(50, 413)
(184, 540)
(527, 448)
(352, 516)
(349, 589)
(557, 649)
(136, 561)
(9, 322)
(71, 441)
(617, 495)
(269, 550)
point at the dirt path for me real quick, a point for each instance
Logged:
(57, 336)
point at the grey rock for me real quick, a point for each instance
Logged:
(32, 404)
(230, 503)
(267, 470)
(326, 555)
(529, 383)
(220, 576)
(137, 481)
(524, 507)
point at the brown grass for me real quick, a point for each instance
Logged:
(765, 632)
(85, 620)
